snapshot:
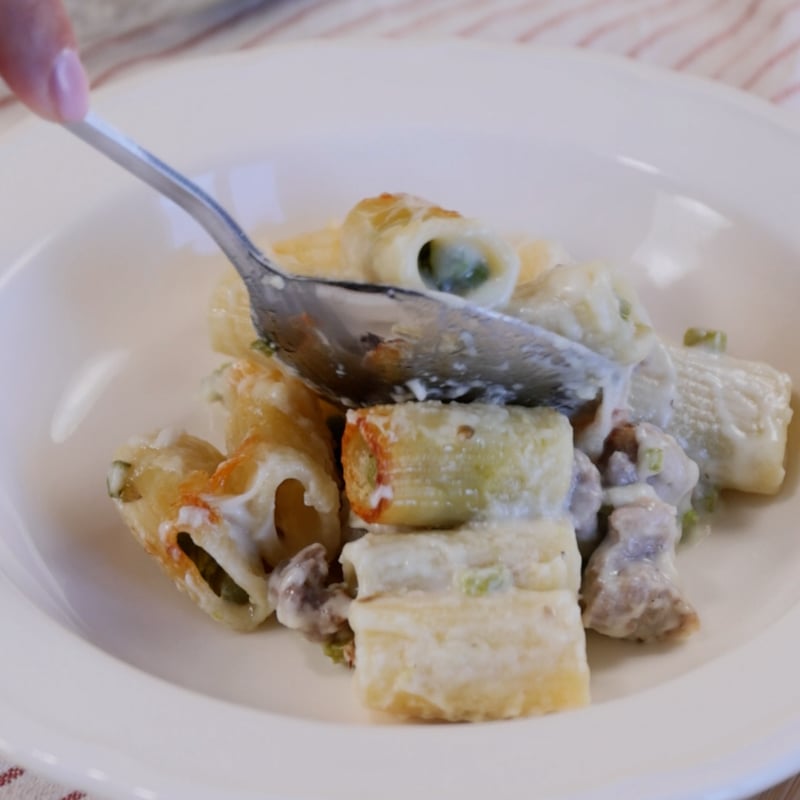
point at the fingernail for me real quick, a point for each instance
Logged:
(69, 86)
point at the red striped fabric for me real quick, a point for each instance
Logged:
(751, 44)
(421, 23)
(10, 775)
(559, 19)
(502, 16)
(719, 37)
(611, 25)
(776, 58)
(787, 92)
(276, 28)
(674, 27)
(763, 34)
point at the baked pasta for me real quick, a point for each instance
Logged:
(219, 524)
(455, 554)
(731, 416)
(401, 240)
(430, 464)
(481, 622)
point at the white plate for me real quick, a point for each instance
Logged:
(109, 679)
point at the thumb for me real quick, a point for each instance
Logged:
(39, 59)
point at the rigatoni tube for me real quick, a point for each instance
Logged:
(731, 416)
(535, 555)
(279, 477)
(434, 465)
(440, 616)
(218, 523)
(403, 240)
(150, 481)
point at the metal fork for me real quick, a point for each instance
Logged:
(362, 344)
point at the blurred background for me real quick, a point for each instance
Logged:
(753, 45)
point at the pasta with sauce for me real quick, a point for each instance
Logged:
(435, 547)
(218, 524)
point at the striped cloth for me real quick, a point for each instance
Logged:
(750, 44)
(20, 784)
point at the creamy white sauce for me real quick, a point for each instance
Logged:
(166, 437)
(615, 399)
(627, 495)
(117, 477)
(382, 492)
(418, 389)
(657, 374)
(192, 517)
(164, 530)
(245, 529)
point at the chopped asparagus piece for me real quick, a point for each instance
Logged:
(483, 580)
(713, 340)
(453, 268)
(212, 573)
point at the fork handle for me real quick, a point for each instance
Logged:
(244, 255)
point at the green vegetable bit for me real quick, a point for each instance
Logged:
(688, 521)
(625, 308)
(341, 649)
(654, 459)
(483, 580)
(453, 268)
(264, 346)
(716, 341)
(212, 573)
(334, 651)
(339, 652)
(708, 499)
(693, 527)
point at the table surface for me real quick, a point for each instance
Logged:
(751, 44)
